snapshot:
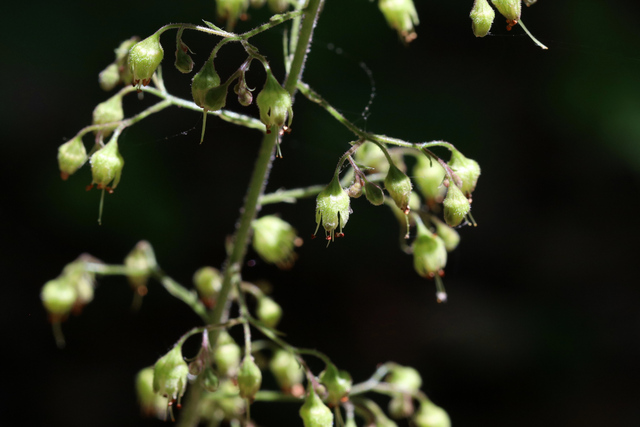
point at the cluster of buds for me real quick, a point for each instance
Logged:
(118, 71)
(482, 16)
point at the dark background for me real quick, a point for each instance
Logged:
(542, 327)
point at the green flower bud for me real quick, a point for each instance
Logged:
(482, 16)
(338, 383)
(269, 312)
(170, 375)
(231, 10)
(401, 406)
(249, 378)
(449, 236)
(71, 156)
(431, 415)
(429, 253)
(314, 412)
(332, 208)
(468, 170)
(210, 380)
(58, 297)
(401, 15)
(286, 370)
(227, 355)
(510, 9)
(106, 166)
(144, 57)
(373, 157)
(108, 111)
(274, 240)
(274, 103)
(82, 280)
(404, 378)
(278, 6)
(142, 259)
(151, 403)
(258, 3)
(183, 62)
(428, 175)
(456, 205)
(374, 193)
(399, 187)
(355, 190)
(231, 405)
(109, 77)
(245, 97)
(208, 281)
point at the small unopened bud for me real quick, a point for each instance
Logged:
(429, 253)
(338, 383)
(206, 79)
(183, 62)
(144, 58)
(355, 190)
(151, 403)
(428, 175)
(208, 281)
(449, 236)
(71, 156)
(404, 378)
(510, 9)
(332, 208)
(274, 240)
(249, 378)
(456, 205)
(170, 375)
(431, 415)
(109, 77)
(401, 15)
(399, 187)
(231, 11)
(278, 6)
(108, 111)
(274, 103)
(269, 312)
(482, 16)
(286, 370)
(245, 95)
(468, 170)
(314, 412)
(227, 355)
(374, 193)
(143, 260)
(106, 166)
(58, 297)
(401, 406)
(210, 380)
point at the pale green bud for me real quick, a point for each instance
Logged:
(468, 170)
(106, 166)
(269, 312)
(482, 16)
(429, 175)
(227, 355)
(449, 236)
(143, 259)
(373, 157)
(274, 103)
(332, 208)
(144, 58)
(374, 193)
(401, 15)
(183, 62)
(274, 240)
(510, 9)
(108, 111)
(170, 375)
(456, 205)
(431, 415)
(151, 403)
(286, 370)
(399, 187)
(71, 156)
(109, 77)
(58, 297)
(249, 378)
(401, 406)
(404, 378)
(207, 78)
(208, 281)
(338, 383)
(429, 253)
(314, 412)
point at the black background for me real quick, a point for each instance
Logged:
(542, 327)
